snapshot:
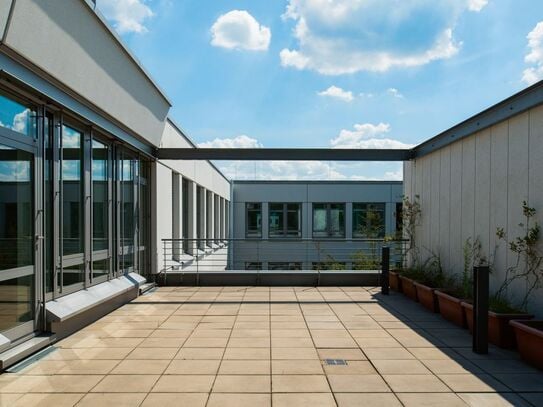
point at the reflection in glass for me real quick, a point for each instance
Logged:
(72, 191)
(337, 220)
(254, 220)
(276, 220)
(100, 268)
(16, 230)
(319, 220)
(100, 214)
(17, 117)
(48, 214)
(16, 301)
(369, 220)
(73, 274)
(128, 213)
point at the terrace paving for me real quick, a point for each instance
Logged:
(264, 346)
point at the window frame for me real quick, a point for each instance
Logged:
(363, 213)
(284, 231)
(328, 230)
(249, 233)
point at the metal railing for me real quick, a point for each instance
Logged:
(277, 255)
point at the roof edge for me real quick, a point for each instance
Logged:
(526, 99)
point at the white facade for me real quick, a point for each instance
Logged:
(473, 186)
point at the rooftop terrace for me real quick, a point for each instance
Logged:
(258, 346)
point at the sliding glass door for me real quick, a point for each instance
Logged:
(18, 213)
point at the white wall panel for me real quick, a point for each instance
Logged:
(444, 207)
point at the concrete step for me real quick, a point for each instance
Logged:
(24, 350)
(146, 287)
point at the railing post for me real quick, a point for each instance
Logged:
(385, 264)
(198, 242)
(480, 309)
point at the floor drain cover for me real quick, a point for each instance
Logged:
(335, 362)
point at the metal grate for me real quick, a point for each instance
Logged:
(335, 362)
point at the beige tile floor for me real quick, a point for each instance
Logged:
(262, 346)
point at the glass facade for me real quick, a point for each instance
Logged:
(74, 207)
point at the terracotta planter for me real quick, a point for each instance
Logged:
(530, 341)
(395, 282)
(500, 333)
(427, 297)
(408, 288)
(451, 308)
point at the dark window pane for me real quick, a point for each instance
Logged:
(369, 220)
(254, 219)
(17, 117)
(253, 265)
(100, 268)
(129, 216)
(16, 230)
(294, 220)
(73, 274)
(72, 191)
(16, 301)
(100, 214)
(276, 221)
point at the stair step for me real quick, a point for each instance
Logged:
(24, 350)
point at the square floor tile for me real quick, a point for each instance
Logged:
(184, 384)
(126, 384)
(175, 399)
(415, 383)
(188, 366)
(111, 399)
(244, 367)
(366, 383)
(300, 384)
(472, 383)
(303, 400)
(367, 400)
(239, 400)
(242, 384)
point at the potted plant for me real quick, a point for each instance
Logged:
(526, 268)
(529, 336)
(407, 278)
(394, 281)
(432, 278)
(450, 299)
(500, 313)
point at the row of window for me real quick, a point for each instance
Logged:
(285, 220)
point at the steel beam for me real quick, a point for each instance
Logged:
(282, 154)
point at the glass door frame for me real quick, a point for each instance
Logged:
(30, 144)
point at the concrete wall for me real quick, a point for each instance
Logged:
(69, 42)
(169, 209)
(306, 193)
(473, 186)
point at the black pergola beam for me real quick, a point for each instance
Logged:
(283, 154)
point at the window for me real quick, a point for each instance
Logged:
(100, 196)
(285, 220)
(253, 220)
(17, 117)
(328, 220)
(369, 220)
(282, 265)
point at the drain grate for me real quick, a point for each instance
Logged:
(335, 362)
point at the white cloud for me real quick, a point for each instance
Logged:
(535, 55)
(238, 29)
(348, 36)
(128, 16)
(395, 93)
(367, 136)
(477, 5)
(337, 93)
(241, 141)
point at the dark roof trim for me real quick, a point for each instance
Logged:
(334, 182)
(283, 154)
(520, 102)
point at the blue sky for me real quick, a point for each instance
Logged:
(330, 73)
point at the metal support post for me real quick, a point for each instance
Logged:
(385, 264)
(480, 309)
